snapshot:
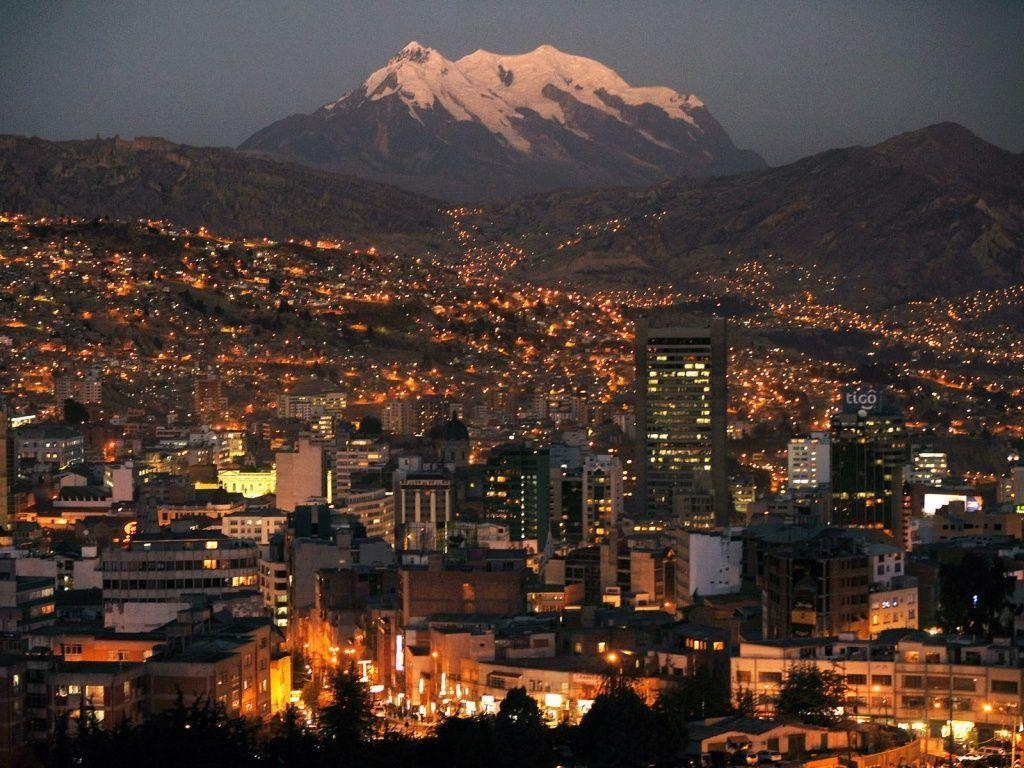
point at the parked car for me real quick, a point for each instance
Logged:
(769, 756)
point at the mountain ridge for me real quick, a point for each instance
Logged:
(936, 211)
(931, 212)
(490, 125)
(217, 188)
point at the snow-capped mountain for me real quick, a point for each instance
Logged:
(491, 125)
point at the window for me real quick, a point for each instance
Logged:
(912, 681)
(770, 677)
(964, 684)
(885, 680)
(1004, 686)
(743, 676)
(856, 679)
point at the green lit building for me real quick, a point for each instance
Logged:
(516, 491)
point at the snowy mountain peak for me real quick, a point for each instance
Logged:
(491, 123)
(497, 90)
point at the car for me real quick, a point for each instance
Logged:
(769, 756)
(751, 758)
(971, 760)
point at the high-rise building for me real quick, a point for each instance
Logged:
(808, 462)
(516, 491)
(602, 496)
(869, 453)
(681, 414)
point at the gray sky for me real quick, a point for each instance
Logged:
(786, 79)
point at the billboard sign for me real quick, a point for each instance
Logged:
(860, 399)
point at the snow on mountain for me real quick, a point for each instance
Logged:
(491, 125)
(494, 89)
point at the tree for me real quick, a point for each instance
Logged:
(621, 731)
(290, 742)
(348, 720)
(746, 702)
(462, 742)
(697, 695)
(519, 732)
(369, 426)
(815, 696)
(75, 412)
(973, 595)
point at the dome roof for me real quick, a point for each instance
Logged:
(455, 431)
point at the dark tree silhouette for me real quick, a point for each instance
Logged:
(813, 695)
(75, 412)
(973, 595)
(621, 731)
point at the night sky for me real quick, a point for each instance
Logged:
(784, 78)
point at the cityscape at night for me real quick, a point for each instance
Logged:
(503, 410)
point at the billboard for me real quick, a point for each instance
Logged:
(935, 500)
(863, 398)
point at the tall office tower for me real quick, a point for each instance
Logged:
(681, 415)
(869, 452)
(808, 460)
(516, 491)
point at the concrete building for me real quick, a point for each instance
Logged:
(209, 397)
(808, 462)
(681, 414)
(602, 496)
(708, 563)
(302, 475)
(358, 456)
(56, 445)
(162, 567)
(424, 511)
(308, 404)
(26, 602)
(428, 592)
(254, 525)
(399, 417)
(250, 483)
(374, 509)
(928, 466)
(921, 683)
